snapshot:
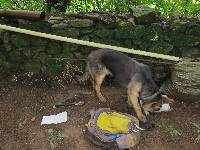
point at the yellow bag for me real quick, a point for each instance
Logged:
(108, 128)
(113, 122)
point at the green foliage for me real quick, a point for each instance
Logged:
(197, 126)
(5, 4)
(54, 137)
(166, 7)
(171, 130)
(23, 4)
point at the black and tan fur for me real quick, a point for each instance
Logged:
(134, 76)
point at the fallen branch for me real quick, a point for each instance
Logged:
(22, 14)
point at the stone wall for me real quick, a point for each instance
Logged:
(26, 53)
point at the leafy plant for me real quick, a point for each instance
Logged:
(197, 126)
(54, 137)
(172, 130)
(23, 4)
(166, 7)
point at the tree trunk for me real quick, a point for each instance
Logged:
(185, 81)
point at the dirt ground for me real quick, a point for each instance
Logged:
(22, 108)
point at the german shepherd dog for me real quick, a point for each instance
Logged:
(135, 76)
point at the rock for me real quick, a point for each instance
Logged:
(53, 22)
(54, 48)
(42, 57)
(38, 49)
(56, 18)
(25, 52)
(191, 52)
(69, 48)
(85, 50)
(85, 31)
(144, 14)
(3, 61)
(36, 41)
(154, 32)
(193, 29)
(137, 43)
(68, 32)
(33, 66)
(128, 31)
(160, 47)
(20, 40)
(6, 38)
(104, 33)
(182, 40)
(185, 81)
(109, 42)
(7, 47)
(40, 26)
(2, 35)
(179, 26)
(156, 46)
(60, 26)
(106, 25)
(33, 119)
(128, 44)
(54, 67)
(80, 23)
(15, 57)
(1, 41)
(85, 38)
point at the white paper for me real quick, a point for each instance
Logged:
(165, 108)
(54, 119)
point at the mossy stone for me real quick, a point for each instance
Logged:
(144, 14)
(80, 23)
(128, 31)
(68, 32)
(19, 40)
(193, 29)
(182, 40)
(36, 41)
(68, 49)
(154, 32)
(54, 48)
(179, 26)
(33, 66)
(106, 25)
(85, 31)
(104, 33)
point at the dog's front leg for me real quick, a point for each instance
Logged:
(133, 93)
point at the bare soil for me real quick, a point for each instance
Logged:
(22, 108)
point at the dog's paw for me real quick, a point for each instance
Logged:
(142, 118)
(102, 99)
(147, 126)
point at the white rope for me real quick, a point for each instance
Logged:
(87, 43)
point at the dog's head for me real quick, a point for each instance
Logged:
(154, 103)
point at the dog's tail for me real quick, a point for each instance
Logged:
(85, 76)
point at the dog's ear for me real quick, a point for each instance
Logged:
(167, 100)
